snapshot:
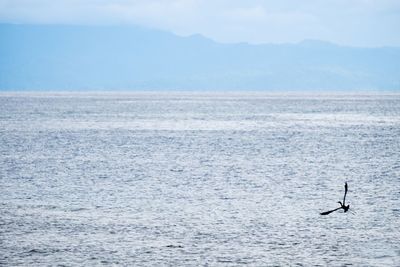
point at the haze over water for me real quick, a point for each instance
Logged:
(219, 179)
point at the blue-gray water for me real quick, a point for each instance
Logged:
(151, 179)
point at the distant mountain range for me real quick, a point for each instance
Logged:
(59, 57)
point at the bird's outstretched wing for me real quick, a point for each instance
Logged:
(330, 211)
(345, 193)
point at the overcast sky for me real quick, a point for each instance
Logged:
(349, 22)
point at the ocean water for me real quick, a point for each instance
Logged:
(199, 179)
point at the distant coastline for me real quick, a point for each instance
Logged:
(75, 58)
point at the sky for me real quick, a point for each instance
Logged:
(367, 23)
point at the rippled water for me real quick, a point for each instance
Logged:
(150, 179)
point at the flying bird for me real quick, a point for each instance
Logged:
(342, 205)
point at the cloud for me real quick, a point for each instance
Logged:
(354, 22)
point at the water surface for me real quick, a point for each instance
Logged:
(219, 179)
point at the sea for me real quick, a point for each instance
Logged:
(199, 179)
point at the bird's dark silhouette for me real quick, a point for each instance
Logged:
(342, 205)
